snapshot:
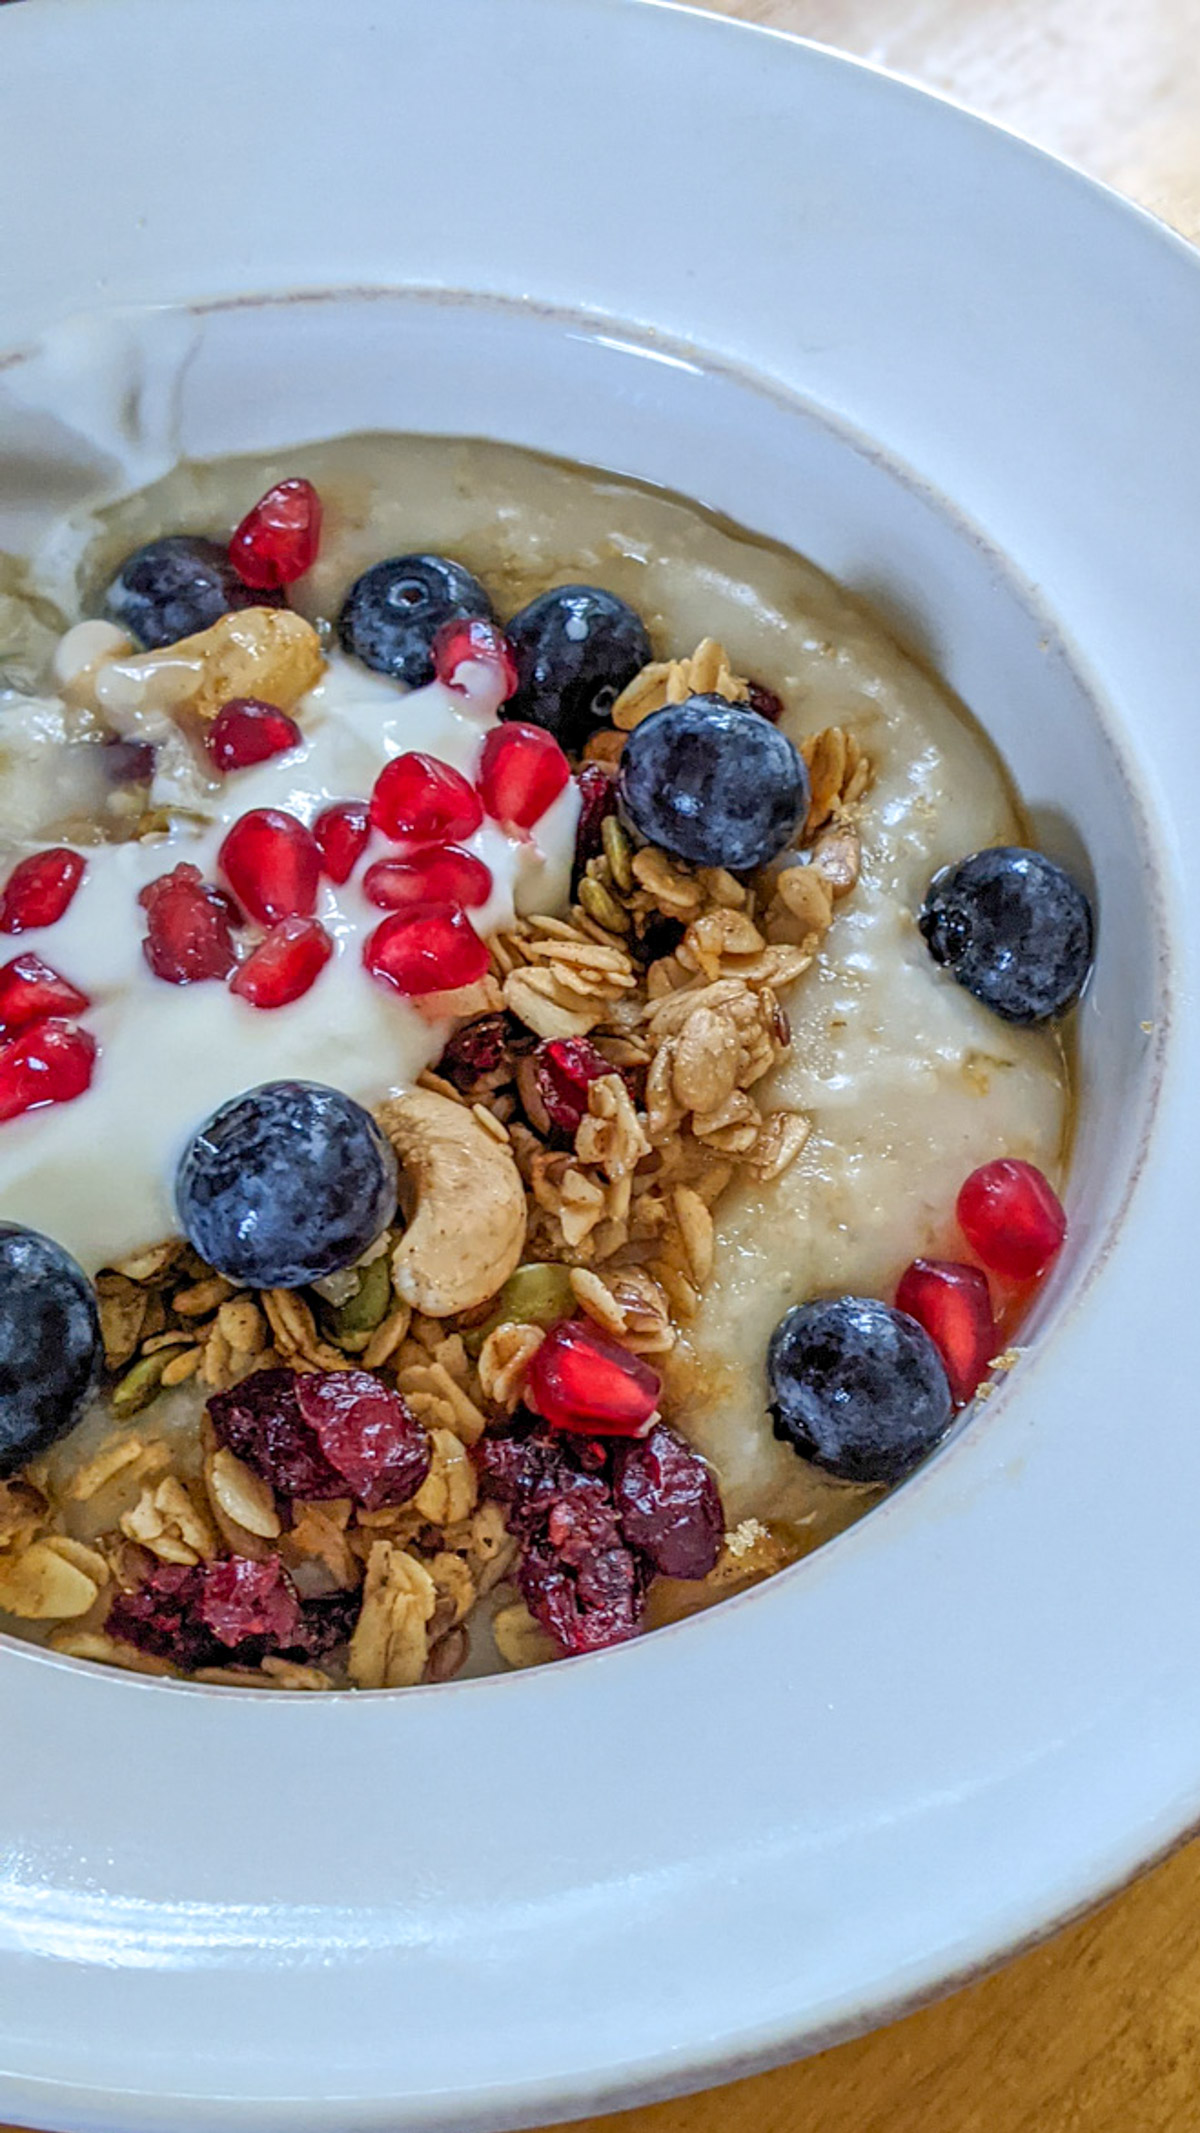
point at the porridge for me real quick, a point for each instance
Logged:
(531, 1080)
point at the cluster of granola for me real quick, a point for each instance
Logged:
(667, 980)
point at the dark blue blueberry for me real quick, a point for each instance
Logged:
(576, 648)
(1014, 929)
(713, 783)
(391, 615)
(171, 588)
(50, 1348)
(286, 1184)
(857, 1388)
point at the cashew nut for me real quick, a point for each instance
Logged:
(258, 651)
(468, 1227)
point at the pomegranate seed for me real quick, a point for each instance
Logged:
(597, 801)
(474, 639)
(40, 889)
(278, 540)
(246, 731)
(563, 1071)
(1012, 1218)
(428, 948)
(30, 990)
(522, 771)
(284, 966)
(445, 876)
(581, 1380)
(189, 928)
(954, 1305)
(342, 833)
(419, 800)
(51, 1064)
(273, 865)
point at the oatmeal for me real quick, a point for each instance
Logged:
(483, 1012)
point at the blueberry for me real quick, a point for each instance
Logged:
(171, 588)
(391, 615)
(1014, 929)
(286, 1184)
(575, 648)
(50, 1348)
(713, 783)
(857, 1388)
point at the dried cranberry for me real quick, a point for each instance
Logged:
(286, 965)
(441, 875)
(658, 935)
(483, 1054)
(562, 1071)
(580, 1379)
(428, 948)
(954, 1305)
(576, 1573)
(420, 800)
(325, 1621)
(246, 731)
(522, 771)
(278, 539)
(529, 1468)
(260, 1420)
(343, 833)
(273, 865)
(40, 889)
(586, 1610)
(50, 1063)
(597, 801)
(189, 928)
(30, 990)
(473, 638)
(162, 1616)
(368, 1434)
(243, 1599)
(669, 1503)
(765, 702)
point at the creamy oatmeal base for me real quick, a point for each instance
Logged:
(897, 1083)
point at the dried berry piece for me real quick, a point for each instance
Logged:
(161, 1616)
(30, 991)
(1012, 1218)
(588, 1608)
(421, 800)
(241, 1599)
(286, 965)
(189, 928)
(273, 865)
(260, 1420)
(52, 1063)
(953, 1304)
(577, 1575)
(597, 801)
(580, 1379)
(472, 638)
(40, 889)
(429, 948)
(669, 1504)
(368, 1434)
(483, 1055)
(342, 833)
(522, 771)
(441, 875)
(560, 1073)
(209, 1614)
(278, 539)
(765, 702)
(246, 731)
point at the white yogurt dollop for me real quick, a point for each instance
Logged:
(97, 1174)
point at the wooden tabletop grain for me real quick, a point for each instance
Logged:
(1098, 2031)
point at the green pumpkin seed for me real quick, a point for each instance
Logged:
(602, 905)
(141, 1383)
(537, 1294)
(368, 1307)
(618, 851)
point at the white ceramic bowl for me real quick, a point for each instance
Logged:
(963, 379)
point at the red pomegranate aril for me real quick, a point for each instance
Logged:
(1012, 1218)
(441, 875)
(278, 539)
(420, 800)
(342, 833)
(246, 731)
(478, 641)
(954, 1305)
(30, 991)
(51, 1063)
(522, 771)
(429, 948)
(40, 889)
(581, 1380)
(273, 865)
(286, 965)
(189, 928)
(563, 1070)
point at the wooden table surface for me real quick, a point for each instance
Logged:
(1099, 2031)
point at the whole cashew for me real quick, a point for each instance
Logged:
(468, 1229)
